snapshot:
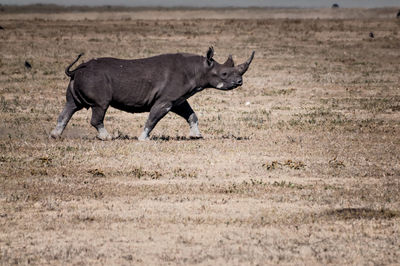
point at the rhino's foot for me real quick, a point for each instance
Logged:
(194, 132)
(145, 135)
(195, 136)
(103, 135)
(55, 134)
(140, 138)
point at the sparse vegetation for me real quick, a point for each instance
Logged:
(300, 165)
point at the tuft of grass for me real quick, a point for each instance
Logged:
(5, 106)
(296, 165)
(278, 92)
(335, 163)
(140, 173)
(256, 118)
(97, 173)
(272, 165)
(244, 188)
(179, 172)
(284, 184)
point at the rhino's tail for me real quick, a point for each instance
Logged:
(71, 73)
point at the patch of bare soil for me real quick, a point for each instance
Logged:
(300, 165)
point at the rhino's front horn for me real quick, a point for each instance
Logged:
(243, 67)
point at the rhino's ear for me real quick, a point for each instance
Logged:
(229, 62)
(210, 54)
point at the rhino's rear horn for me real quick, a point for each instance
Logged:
(243, 67)
(229, 62)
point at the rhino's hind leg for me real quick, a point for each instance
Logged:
(184, 110)
(98, 114)
(69, 109)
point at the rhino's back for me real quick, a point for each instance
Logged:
(130, 85)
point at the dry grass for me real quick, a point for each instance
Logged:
(298, 166)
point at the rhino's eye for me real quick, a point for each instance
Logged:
(224, 74)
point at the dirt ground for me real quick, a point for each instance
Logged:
(300, 165)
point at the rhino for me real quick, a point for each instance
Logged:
(157, 84)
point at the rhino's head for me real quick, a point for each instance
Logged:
(225, 76)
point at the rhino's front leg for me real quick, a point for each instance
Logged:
(184, 110)
(194, 127)
(157, 112)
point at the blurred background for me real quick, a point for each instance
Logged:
(216, 3)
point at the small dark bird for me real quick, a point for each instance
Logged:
(398, 14)
(335, 5)
(371, 35)
(28, 65)
(1, 28)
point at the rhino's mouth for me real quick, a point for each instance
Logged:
(221, 86)
(229, 88)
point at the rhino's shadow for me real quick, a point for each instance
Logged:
(170, 138)
(180, 138)
(156, 138)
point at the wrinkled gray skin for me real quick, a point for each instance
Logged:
(157, 85)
